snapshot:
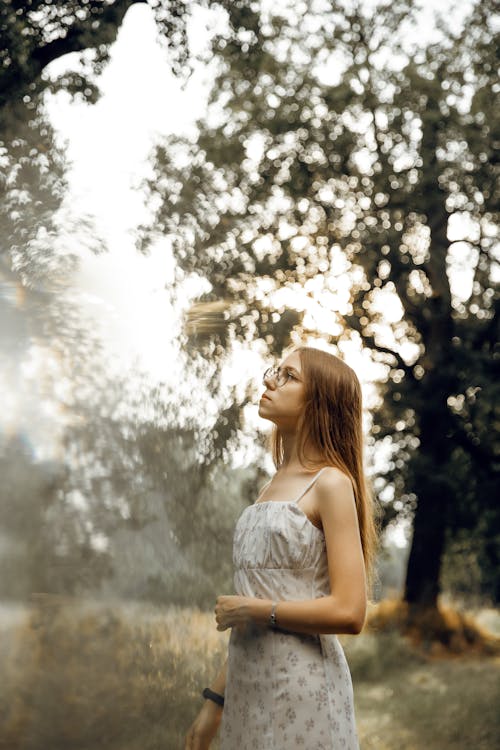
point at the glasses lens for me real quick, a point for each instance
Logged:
(274, 372)
(268, 374)
(282, 377)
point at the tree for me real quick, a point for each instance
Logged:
(35, 224)
(36, 266)
(131, 461)
(297, 181)
(34, 34)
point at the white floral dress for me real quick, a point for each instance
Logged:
(284, 690)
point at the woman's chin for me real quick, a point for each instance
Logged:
(263, 413)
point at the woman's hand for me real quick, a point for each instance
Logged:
(232, 611)
(204, 728)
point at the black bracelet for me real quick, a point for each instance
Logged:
(207, 693)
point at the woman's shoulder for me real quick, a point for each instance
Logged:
(332, 477)
(334, 495)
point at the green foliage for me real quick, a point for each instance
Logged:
(34, 34)
(29, 555)
(341, 145)
(299, 176)
(470, 566)
(183, 554)
(129, 456)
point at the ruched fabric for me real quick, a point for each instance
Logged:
(284, 690)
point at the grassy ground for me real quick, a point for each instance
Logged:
(408, 701)
(129, 678)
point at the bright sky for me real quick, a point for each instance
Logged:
(108, 145)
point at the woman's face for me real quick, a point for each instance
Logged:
(283, 404)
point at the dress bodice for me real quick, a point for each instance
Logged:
(277, 549)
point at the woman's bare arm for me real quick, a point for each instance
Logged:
(206, 724)
(219, 684)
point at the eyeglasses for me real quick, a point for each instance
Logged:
(282, 376)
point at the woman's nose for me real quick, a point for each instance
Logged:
(270, 381)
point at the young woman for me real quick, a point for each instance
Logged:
(303, 556)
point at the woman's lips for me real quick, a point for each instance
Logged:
(264, 396)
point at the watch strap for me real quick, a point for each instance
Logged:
(211, 695)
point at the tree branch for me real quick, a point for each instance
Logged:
(77, 38)
(22, 71)
(369, 341)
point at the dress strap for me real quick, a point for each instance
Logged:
(262, 490)
(309, 485)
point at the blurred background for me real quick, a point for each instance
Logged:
(189, 190)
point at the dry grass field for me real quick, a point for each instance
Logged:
(128, 677)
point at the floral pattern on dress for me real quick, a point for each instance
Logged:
(284, 690)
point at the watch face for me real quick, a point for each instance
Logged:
(272, 617)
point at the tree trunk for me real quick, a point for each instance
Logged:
(424, 563)
(430, 482)
(428, 472)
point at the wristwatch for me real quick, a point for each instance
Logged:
(215, 697)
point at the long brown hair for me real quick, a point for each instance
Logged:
(331, 423)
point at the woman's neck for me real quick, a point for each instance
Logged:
(290, 463)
